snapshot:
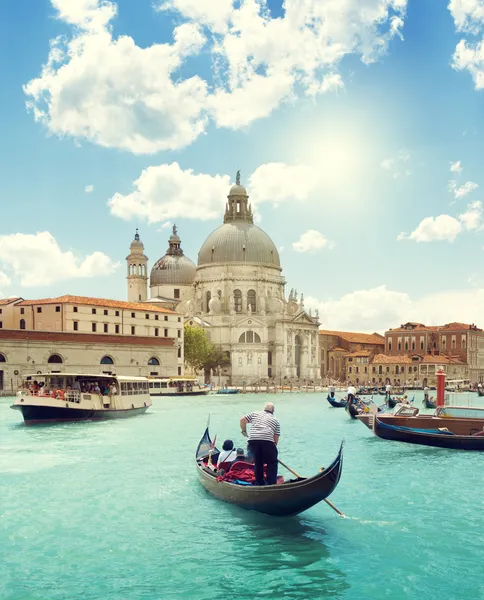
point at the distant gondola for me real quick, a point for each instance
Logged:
(336, 403)
(439, 438)
(281, 500)
(428, 403)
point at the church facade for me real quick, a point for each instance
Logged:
(237, 292)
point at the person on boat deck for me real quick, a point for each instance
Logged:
(264, 435)
(351, 393)
(113, 389)
(228, 453)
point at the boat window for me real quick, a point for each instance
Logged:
(157, 385)
(164, 384)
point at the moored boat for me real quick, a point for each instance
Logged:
(52, 397)
(177, 386)
(442, 437)
(228, 391)
(282, 500)
(465, 420)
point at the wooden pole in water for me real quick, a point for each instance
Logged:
(299, 477)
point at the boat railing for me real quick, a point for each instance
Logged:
(73, 396)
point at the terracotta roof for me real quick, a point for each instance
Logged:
(337, 349)
(146, 307)
(393, 360)
(5, 301)
(459, 327)
(441, 359)
(359, 353)
(448, 327)
(356, 338)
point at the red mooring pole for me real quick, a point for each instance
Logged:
(440, 387)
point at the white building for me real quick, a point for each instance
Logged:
(237, 288)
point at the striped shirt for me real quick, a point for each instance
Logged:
(264, 425)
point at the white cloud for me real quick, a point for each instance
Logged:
(463, 190)
(443, 227)
(312, 241)
(397, 165)
(472, 218)
(469, 55)
(279, 182)
(168, 192)
(5, 280)
(456, 167)
(379, 308)
(37, 260)
(110, 91)
(165, 225)
(88, 189)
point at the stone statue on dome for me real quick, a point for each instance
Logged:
(175, 230)
(237, 178)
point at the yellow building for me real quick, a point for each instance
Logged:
(77, 333)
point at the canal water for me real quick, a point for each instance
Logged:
(114, 511)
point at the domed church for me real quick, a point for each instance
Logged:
(236, 292)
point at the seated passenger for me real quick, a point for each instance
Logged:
(228, 453)
(240, 455)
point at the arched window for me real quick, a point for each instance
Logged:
(249, 337)
(380, 370)
(208, 297)
(2, 358)
(107, 360)
(251, 300)
(237, 301)
(154, 362)
(55, 359)
(22, 323)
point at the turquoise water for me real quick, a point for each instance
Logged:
(114, 511)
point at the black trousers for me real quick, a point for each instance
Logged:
(264, 453)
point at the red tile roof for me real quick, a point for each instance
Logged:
(146, 307)
(393, 360)
(5, 301)
(337, 349)
(360, 353)
(356, 338)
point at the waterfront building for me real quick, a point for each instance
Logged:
(88, 335)
(237, 292)
(340, 349)
(458, 342)
(409, 370)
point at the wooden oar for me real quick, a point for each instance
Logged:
(299, 477)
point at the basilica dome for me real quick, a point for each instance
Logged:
(238, 240)
(174, 268)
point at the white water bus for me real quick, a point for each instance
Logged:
(177, 386)
(51, 397)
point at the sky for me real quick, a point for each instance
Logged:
(357, 126)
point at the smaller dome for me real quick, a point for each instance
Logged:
(174, 268)
(238, 190)
(136, 243)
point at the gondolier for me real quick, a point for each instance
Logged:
(263, 437)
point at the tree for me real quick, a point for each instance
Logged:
(197, 347)
(216, 358)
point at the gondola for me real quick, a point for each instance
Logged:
(428, 403)
(281, 500)
(480, 392)
(439, 438)
(393, 401)
(337, 403)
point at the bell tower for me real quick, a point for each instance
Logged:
(137, 264)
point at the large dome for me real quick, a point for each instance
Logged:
(239, 242)
(174, 268)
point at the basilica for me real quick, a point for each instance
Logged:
(237, 293)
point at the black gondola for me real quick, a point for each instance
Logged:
(429, 403)
(281, 500)
(336, 403)
(439, 438)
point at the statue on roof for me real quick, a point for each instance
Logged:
(136, 235)
(237, 178)
(175, 231)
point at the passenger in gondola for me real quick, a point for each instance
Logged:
(331, 391)
(240, 456)
(228, 453)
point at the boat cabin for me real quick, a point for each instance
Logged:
(174, 386)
